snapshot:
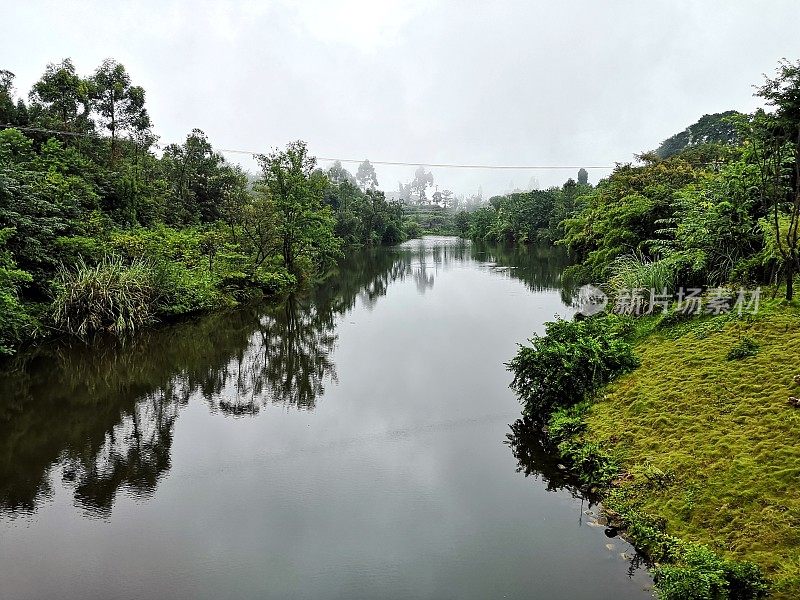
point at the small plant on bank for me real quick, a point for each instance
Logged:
(742, 349)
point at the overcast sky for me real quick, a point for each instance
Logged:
(531, 83)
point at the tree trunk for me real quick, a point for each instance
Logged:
(789, 281)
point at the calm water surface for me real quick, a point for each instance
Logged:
(348, 444)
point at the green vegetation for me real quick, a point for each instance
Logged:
(718, 203)
(695, 452)
(99, 232)
(527, 217)
(722, 433)
(430, 220)
(649, 451)
(568, 363)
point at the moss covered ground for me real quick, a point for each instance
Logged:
(708, 439)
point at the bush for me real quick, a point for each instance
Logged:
(700, 574)
(275, 281)
(571, 361)
(181, 290)
(14, 319)
(412, 229)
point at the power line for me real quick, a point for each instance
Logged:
(391, 163)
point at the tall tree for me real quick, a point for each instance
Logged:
(422, 179)
(447, 198)
(200, 179)
(119, 104)
(366, 176)
(61, 98)
(776, 145)
(295, 190)
(7, 109)
(583, 176)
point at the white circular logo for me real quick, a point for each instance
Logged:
(591, 300)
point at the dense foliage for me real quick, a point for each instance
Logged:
(527, 217)
(569, 362)
(101, 229)
(718, 203)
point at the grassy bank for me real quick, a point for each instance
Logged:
(707, 440)
(694, 451)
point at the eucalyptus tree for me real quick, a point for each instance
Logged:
(366, 176)
(7, 108)
(303, 224)
(119, 105)
(422, 180)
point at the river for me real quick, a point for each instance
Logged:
(348, 443)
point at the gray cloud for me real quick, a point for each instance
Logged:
(574, 83)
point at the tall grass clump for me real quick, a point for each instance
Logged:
(636, 271)
(112, 296)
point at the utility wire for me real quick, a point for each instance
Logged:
(345, 160)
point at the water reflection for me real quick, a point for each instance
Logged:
(534, 460)
(101, 419)
(539, 267)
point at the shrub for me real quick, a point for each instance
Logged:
(182, 290)
(14, 319)
(700, 574)
(566, 423)
(412, 229)
(569, 362)
(275, 281)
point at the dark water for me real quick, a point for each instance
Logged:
(349, 444)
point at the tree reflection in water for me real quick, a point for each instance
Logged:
(286, 362)
(534, 459)
(102, 418)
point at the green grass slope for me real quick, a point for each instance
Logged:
(708, 412)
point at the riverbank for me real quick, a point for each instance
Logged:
(696, 453)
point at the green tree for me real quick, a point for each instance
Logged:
(61, 99)
(119, 104)
(718, 128)
(583, 176)
(304, 225)
(776, 147)
(366, 176)
(8, 112)
(14, 320)
(422, 180)
(462, 222)
(201, 182)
